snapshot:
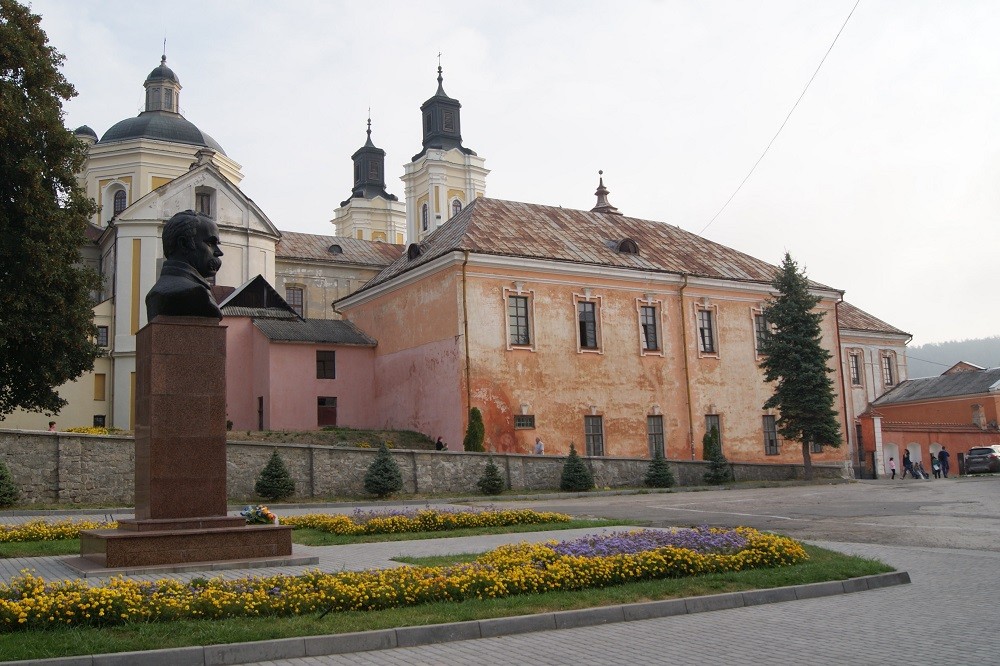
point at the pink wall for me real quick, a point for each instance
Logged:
(240, 406)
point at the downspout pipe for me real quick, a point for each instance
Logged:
(465, 334)
(687, 368)
(849, 434)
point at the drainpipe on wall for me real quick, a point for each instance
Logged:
(849, 427)
(465, 332)
(687, 370)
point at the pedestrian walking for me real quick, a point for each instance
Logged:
(892, 467)
(907, 466)
(935, 467)
(945, 459)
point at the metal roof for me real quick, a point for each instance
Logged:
(856, 319)
(514, 229)
(160, 125)
(945, 386)
(294, 245)
(331, 331)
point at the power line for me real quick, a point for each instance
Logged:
(794, 106)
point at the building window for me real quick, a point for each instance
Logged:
(456, 207)
(654, 433)
(647, 321)
(100, 420)
(587, 318)
(295, 297)
(121, 201)
(168, 99)
(102, 336)
(854, 359)
(593, 428)
(706, 332)
(449, 121)
(760, 331)
(815, 448)
(204, 201)
(326, 365)
(524, 421)
(770, 436)
(888, 369)
(326, 411)
(100, 386)
(713, 421)
(425, 216)
(373, 171)
(517, 317)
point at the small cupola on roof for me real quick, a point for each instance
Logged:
(603, 205)
(369, 172)
(442, 122)
(163, 89)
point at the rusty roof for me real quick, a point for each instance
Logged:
(856, 319)
(294, 245)
(514, 229)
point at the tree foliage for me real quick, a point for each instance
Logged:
(46, 316)
(658, 474)
(719, 470)
(9, 492)
(475, 434)
(274, 482)
(383, 477)
(491, 481)
(795, 360)
(576, 475)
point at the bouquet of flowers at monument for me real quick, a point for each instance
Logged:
(258, 515)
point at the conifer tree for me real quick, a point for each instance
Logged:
(658, 475)
(383, 477)
(576, 475)
(9, 492)
(796, 361)
(475, 434)
(46, 326)
(719, 471)
(274, 482)
(491, 481)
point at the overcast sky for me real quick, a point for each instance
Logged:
(884, 182)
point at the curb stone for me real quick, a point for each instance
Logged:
(381, 639)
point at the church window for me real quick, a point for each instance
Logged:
(294, 296)
(336, 249)
(449, 121)
(760, 330)
(121, 201)
(647, 321)
(204, 201)
(102, 336)
(628, 246)
(427, 122)
(888, 368)
(706, 332)
(854, 359)
(357, 172)
(587, 319)
(425, 216)
(456, 207)
(517, 316)
(168, 99)
(373, 170)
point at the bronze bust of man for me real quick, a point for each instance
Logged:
(191, 248)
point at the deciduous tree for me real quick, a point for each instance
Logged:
(795, 359)
(46, 316)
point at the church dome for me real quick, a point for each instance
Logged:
(162, 73)
(161, 126)
(85, 131)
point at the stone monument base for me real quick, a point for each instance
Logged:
(143, 543)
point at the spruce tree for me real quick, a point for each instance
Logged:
(576, 475)
(383, 477)
(491, 481)
(658, 475)
(9, 492)
(274, 482)
(46, 327)
(719, 470)
(796, 361)
(475, 434)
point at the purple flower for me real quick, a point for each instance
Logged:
(698, 539)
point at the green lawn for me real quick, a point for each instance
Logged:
(823, 565)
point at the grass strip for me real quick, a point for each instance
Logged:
(823, 565)
(308, 536)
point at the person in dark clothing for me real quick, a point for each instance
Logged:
(944, 461)
(439, 445)
(907, 466)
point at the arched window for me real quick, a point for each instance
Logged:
(456, 207)
(425, 215)
(121, 200)
(628, 246)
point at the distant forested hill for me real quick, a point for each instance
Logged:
(934, 358)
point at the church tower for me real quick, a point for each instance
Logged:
(445, 176)
(370, 213)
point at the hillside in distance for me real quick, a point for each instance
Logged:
(934, 358)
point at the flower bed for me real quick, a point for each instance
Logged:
(44, 530)
(30, 602)
(397, 521)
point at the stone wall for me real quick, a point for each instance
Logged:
(90, 469)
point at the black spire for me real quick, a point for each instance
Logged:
(603, 205)
(369, 171)
(442, 121)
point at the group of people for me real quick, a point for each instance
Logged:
(940, 465)
(539, 450)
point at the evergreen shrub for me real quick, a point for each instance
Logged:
(491, 482)
(575, 474)
(658, 475)
(475, 434)
(9, 492)
(383, 477)
(274, 482)
(719, 471)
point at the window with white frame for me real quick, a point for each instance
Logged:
(713, 421)
(760, 330)
(295, 297)
(889, 368)
(519, 320)
(770, 435)
(654, 433)
(588, 317)
(121, 201)
(456, 207)
(854, 366)
(706, 331)
(649, 331)
(593, 428)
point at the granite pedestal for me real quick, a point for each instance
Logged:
(180, 458)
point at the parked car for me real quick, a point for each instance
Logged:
(983, 459)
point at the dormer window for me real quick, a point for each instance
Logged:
(628, 246)
(413, 251)
(336, 249)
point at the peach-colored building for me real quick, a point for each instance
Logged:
(284, 372)
(614, 333)
(957, 410)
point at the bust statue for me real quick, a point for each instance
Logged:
(191, 248)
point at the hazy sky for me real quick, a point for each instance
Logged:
(884, 182)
